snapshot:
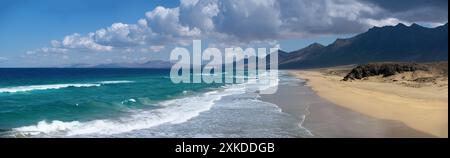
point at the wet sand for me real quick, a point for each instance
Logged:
(327, 120)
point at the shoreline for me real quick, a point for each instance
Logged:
(422, 109)
(324, 119)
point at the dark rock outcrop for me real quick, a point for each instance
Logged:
(385, 69)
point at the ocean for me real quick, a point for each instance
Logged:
(134, 103)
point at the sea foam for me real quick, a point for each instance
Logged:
(56, 86)
(115, 82)
(43, 87)
(174, 111)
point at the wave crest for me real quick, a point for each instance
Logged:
(43, 87)
(56, 86)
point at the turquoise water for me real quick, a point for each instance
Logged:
(128, 103)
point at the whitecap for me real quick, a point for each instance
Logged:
(43, 87)
(56, 86)
(115, 82)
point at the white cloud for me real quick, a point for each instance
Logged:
(47, 50)
(165, 22)
(350, 9)
(199, 14)
(53, 50)
(384, 22)
(119, 34)
(76, 41)
(188, 2)
(249, 20)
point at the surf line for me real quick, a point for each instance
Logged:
(188, 148)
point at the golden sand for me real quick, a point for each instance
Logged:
(424, 109)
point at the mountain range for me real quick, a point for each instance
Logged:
(155, 64)
(390, 43)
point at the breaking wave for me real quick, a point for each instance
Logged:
(56, 86)
(174, 111)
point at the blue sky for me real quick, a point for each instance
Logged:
(64, 32)
(29, 24)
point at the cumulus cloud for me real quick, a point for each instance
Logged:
(303, 18)
(248, 22)
(166, 27)
(199, 14)
(122, 35)
(165, 21)
(76, 41)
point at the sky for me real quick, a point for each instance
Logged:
(65, 32)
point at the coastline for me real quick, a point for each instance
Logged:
(324, 119)
(423, 109)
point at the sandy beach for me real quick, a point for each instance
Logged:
(324, 119)
(424, 109)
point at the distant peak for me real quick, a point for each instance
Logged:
(400, 25)
(315, 44)
(414, 25)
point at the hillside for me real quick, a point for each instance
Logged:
(389, 43)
